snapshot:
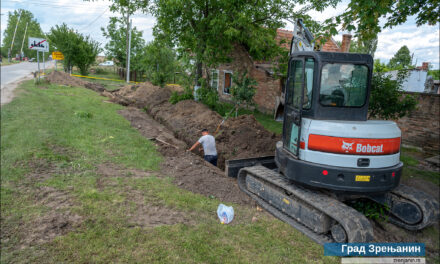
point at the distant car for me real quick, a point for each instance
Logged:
(31, 59)
(107, 63)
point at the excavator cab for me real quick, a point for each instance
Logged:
(324, 86)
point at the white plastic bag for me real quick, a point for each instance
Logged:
(225, 213)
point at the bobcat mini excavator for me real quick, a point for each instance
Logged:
(331, 154)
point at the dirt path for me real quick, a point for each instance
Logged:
(8, 90)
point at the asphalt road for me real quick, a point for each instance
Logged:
(10, 74)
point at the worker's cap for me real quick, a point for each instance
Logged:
(204, 130)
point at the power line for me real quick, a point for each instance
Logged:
(94, 20)
(52, 5)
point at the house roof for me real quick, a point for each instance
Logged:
(284, 37)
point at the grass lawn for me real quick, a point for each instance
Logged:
(114, 81)
(56, 141)
(5, 62)
(410, 158)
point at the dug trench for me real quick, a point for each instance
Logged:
(176, 127)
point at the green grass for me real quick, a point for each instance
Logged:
(5, 62)
(431, 176)
(104, 72)
(410, 158)
(69, 131)
(266, 120)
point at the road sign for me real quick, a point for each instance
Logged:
(57, 55)
(39, 44)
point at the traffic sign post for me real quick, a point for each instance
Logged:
(44, 65)
(56, 56)
(39, 44)
(38, 60)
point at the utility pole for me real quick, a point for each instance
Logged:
(128, 56)
(127, 43)
(22, 43)
(13, 38)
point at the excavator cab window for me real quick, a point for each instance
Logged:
(343, 85)
(299, 96)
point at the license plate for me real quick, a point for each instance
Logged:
(362, 178)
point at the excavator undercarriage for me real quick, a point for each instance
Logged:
(324, 216)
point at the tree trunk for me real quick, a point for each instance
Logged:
(199, 72)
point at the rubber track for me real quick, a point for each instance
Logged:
(427, 204)
(355, 224)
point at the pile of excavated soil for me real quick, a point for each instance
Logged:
(63, 78)
(144, 94)
(240, 137)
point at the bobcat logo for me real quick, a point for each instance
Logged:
(347, 146)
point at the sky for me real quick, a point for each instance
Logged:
(89, 17)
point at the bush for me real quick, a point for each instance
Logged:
(387, 100)
(243, 90)
(186, 95)
(207, 95)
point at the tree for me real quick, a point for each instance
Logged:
(364, 46)
(362, 17)
(402, 59)
(209, 29)
(116, 47)
(243, 90)
(33, 30)
(159, 62)
(387, 100)
(78, 50)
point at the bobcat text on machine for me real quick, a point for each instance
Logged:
(330, 153)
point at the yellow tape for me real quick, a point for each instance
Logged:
(100, 78)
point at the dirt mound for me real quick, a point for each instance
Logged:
(63, 78)
(241, 137)
(244, 137)
(144, 94)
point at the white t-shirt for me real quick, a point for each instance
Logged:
(208, 143)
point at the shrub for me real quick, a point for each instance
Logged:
(207, 95)
(387, 100)
(186, 95)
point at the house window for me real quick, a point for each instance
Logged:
(214, 79)
(228, 82)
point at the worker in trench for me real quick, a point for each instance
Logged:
(208, 143)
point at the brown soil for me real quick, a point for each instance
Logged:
(189, 171)
(63, 78)
(57, 218)
(388, 233)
